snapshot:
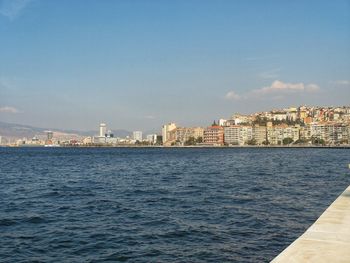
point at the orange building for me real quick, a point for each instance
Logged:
(214, 135)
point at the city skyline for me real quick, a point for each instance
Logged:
(139, 65)
(303, 126)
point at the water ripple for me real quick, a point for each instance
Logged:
(162, 205)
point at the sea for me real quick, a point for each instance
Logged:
(162, 204)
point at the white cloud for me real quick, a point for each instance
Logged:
(150, 117)
(284, 87)
(276, 91)
(8, 109)
(13, 8)
(231, 95)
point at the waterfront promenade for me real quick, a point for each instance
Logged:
(327, 240)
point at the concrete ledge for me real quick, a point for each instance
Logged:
(327, 240)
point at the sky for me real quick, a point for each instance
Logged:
(137, 64)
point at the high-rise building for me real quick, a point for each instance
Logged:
(103, 130)
(167, 132)
(231, 134)
(238, 135)
(259, 134)
(137, 135)
(49, 135)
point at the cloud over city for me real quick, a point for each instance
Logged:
(277, 89)
(284, 87)
(231, 95)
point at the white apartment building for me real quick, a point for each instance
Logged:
(152, 138)
(238, 135)
(222, 122)
(259, 134)
(137, 136)
(103, 130)
(276, 134)
(231, 135)
(330, 132)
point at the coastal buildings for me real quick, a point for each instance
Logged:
(183, 134)
(105, 137)
(168, 133)
(259, 134)
(282, 134)
(331, 132)
(137, 136)
(151, 139)
(214, 135)
(238, 135)
(103, 129)
(231, 135)
(304, 125)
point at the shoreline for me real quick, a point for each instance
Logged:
(189, 146)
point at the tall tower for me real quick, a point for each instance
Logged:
(103, 130)
(166, 129)
(49, 135)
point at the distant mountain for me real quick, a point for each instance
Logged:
(12, 130)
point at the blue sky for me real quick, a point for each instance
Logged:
(138, 64)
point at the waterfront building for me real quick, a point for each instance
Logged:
(259, 134)
(111, 140)
(103, 129)
(238, 135)
(152, 138)
(231, 135)
(276, 134)
(245, 134)
(214, 135)
(137, 136)
(168, 133)
(183, 134)
(87, 140)
(330, 132)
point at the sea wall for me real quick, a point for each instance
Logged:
(327, 240)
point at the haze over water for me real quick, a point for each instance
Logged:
(162, 205)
